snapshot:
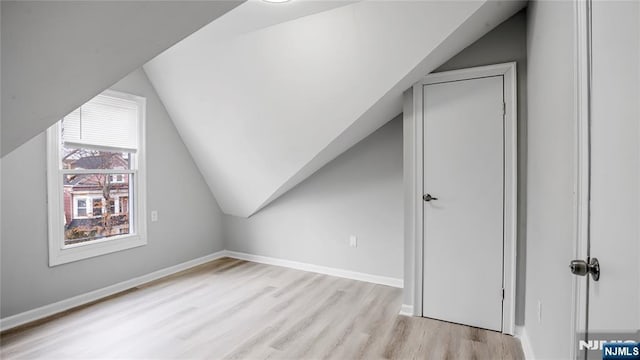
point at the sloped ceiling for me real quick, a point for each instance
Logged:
(56, 55)
(261, 110)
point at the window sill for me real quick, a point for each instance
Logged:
(58, 256)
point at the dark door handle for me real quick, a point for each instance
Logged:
(428, 197)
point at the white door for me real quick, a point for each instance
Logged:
(614, 300)
(463, 124)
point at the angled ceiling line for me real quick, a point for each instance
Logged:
(312, 95)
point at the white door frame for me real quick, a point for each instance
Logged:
(508, 72)
(582, 59)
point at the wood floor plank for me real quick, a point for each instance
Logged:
(234, 309)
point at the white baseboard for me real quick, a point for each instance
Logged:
(406, 310)
(63, 305)
(521, 333)
(354, 275)
(57, 307)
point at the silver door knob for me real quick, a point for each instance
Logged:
(582, 268)
(428, 197)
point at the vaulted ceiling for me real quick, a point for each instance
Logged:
(56, 55)
(262, 94)
(269, 93)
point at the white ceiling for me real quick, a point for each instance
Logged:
(269, 93)
(254, 15)
(56, 55)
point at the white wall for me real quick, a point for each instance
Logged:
(319, 84)
(551, 205)
(313, 221)
(359, 193)
(189, 223)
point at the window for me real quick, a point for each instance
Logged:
(97, 207)
(112, 206)
(81, 207)
(96, 178)
(117, 178)
(124, 205)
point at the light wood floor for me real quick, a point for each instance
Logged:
(232, 309)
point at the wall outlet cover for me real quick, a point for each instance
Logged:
(353, 241)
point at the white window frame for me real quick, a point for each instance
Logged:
(59, 253)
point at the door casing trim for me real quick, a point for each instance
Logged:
(582, 161)
(508, 71)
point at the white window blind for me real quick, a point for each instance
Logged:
(104, 123)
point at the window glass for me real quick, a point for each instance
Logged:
(124, 204)
(97, 207)
(83, 158)
(82, 207)
(108, 203)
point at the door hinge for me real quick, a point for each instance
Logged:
(502, 293)
(504, 109)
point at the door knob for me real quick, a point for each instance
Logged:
(582, 268)
(428, 197)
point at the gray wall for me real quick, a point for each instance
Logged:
(359, 193)
(551, 206)
(506, 43)
(409, 178)
(189, 223)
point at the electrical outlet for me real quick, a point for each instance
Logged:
(353, 241)
(154, 215)
(539, 311)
